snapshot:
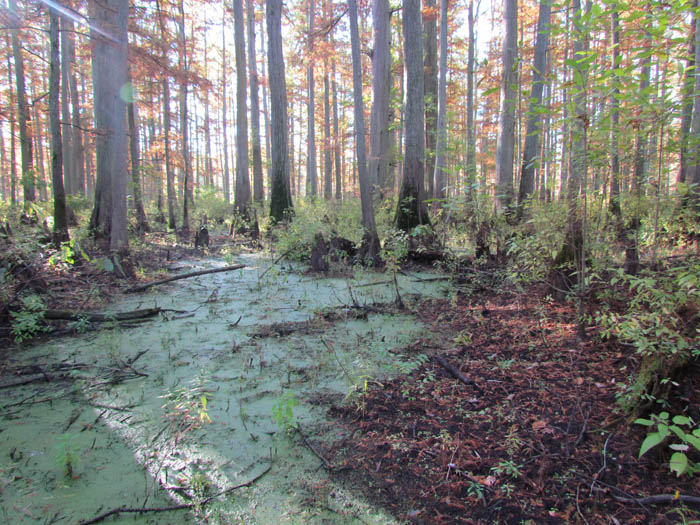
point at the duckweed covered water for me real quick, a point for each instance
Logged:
(197, 401)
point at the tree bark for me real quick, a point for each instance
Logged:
(25, 132)
(505, 145)
(311, 179)
(280, 197)
(109, 33)
(141, 221)
(184, 119)
(60, 226)
(224, 111)
(412, 210)
(258, 188)
(380, 152)
(440, 175)
(471, 135)
(430, 71)
(242, 198)
(534, 116)
(370, 248)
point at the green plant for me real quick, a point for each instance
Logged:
(283, 411)
(687, 434)
(67, 455)
(27, 322)
(507, 467)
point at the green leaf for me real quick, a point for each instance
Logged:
(681, 420)
(678, 463)
(645, 422)
(693, 440)
(650, 442)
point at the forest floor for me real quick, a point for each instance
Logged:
(537, 435)
(530, 431)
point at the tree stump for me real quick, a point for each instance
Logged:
(319, 254)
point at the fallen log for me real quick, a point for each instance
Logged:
(146, 286)
(93, 317)
(456, 373)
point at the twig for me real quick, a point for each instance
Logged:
(660, 498)
(326, 463)
(456, 373)
(277, 260)
(146, 286)
(124, 510)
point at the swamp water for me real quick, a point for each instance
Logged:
(196, 401)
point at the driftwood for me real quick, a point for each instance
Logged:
(452, 370)
(56, 315)
(146, 286)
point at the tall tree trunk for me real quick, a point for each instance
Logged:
(258, 188)
(60, 226)
(336, 137)
(311, 179)
(280, 197)
(441, 146)
(641, 143)
(471, 135)
(108, 220)
(69, 174)
(13, 140)
(224, 111)
(380, 153)
(266, 113)
(688, 96)
(40, 173)
(78, 150)
(411, 210)
(169, 176)
(370, 240)
(25, 132)
(430, 71)
(614, 206)
(242, 197)
(141, 221)
(184, 120)
(505, 145)
(533, 130)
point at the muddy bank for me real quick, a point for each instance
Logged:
(201, 400)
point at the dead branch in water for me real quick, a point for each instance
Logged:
(142, 287)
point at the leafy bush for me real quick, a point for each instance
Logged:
(687, 434)
(27, 322)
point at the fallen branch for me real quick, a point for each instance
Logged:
(277, 260)
(659, 498)
(325, 462)
(456, 373)
(146, 286)
(128, 510)
(92, 317)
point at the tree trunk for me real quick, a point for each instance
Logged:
(78, 150)
(184, 127)
(505, 145)
(258, 188)
(471, 135)
(441, 146)
(370, 248)
(13, 140)
(280, 198)
(108, 221)
(336, 138)
(60, 226)
(224, 111)
(614, 206)
(242, 198)
(430, 72)
(687, 103)
(69, 175)
(141, 221)
(533, 130)
(25, 132)
(411, 210)
(169, 177)
(380, 153)
(311, 180)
